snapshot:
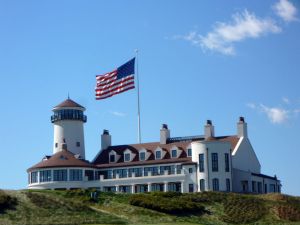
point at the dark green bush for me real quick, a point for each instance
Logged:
(6, 201)
(170, 205)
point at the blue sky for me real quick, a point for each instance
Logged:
(198, 60)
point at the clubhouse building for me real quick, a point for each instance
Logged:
(183, 164)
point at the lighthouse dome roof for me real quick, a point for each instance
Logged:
(68, 103)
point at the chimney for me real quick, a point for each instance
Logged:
(242, 128)
(209, 130)
(164, 134)
(105, 140)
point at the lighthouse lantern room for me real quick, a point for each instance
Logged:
(68, 120)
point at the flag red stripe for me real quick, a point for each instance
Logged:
(113, 83)
(107, 78)
(114, 93)
(103, 92)
(99, 77)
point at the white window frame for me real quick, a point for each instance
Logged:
(140, 156)
(112, 153)
(174, 149)
(160, 154)
(127, 153)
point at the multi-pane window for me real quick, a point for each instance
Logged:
(226, 162)
(45, 176)
(89, 174)
(153, 170)
(112, 158)
(60, 175)
(158, 155)
(109, 174)
(191, 187)
(202, 185)
(201, 162)
(75, 175)
(254, 186)
(190, 170)
(189, 152)
(127, 157)
(214, 162)
(142, 156)
(259, 187)
(228, 185)
(174, 153)
(215, 184)
(34, 177)
(138, 172)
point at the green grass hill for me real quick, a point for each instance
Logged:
(78, 207)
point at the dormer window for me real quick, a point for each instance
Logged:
(158, 154)
(174, 153)
(189, 152)
(142, 156)
(126, 157)
(112, 158)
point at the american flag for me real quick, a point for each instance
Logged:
(115, 82)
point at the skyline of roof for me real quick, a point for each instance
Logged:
(68, 103)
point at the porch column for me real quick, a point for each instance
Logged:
(165, 186)
(149, 187)
(182, 186)
(117, 188)
(133, 188)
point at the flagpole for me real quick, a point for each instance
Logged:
(138, 96)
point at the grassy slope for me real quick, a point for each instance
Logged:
(61, 207)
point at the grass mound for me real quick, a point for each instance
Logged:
(49, 202)
(6, 201)
(240, 209)
(171, 203)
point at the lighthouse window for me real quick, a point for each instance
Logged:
(34, 177)
(78, 144)
(60, 175)
(75, 175)
(45, 176)
(56, 144)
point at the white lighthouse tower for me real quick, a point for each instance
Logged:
(68, 120)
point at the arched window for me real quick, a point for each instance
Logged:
(215, 184)
(202, 185)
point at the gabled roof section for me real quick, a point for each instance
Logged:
(62, 158)
(68, 103)
(102, 160)
(134, 148)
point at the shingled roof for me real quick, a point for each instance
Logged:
(62, 158)
(69, 103)
(102, 160)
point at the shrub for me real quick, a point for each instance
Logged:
(288, 212)
(207, 197)
(6, 201)
(240, 209)
(170, 205)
